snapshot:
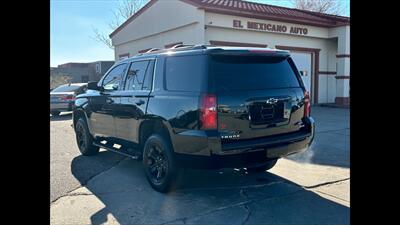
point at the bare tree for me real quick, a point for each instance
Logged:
(124, 10)
(59, 79)
(334, 7)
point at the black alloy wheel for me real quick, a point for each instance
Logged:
(159, 163)
(81, 136)
(84, 139)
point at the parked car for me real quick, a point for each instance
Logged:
(197, 107)
(62, 98)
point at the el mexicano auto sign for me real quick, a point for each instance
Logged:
(279, 28)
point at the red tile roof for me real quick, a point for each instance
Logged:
(270, 12)
(258, 11)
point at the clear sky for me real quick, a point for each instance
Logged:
(71, 32)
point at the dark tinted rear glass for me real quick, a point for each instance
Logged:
(252, 73)
(66, 88)
(185, 73)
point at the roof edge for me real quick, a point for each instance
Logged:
(340, 20)
(294, 20)
(302, 10)
(140, 11)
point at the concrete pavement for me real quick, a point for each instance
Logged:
(63, 150)
(308, 188)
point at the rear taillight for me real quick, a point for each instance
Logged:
(208, 112)
(68, 97)
(307, 104)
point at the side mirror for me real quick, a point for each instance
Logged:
(115, 87)
(93, 86)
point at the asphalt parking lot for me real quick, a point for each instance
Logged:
(308, 188)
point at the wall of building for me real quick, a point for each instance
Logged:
(327, 80)
(183, 34)
(75, 73)
(163, 23)
(99, 68)
(343, 64)
(221, 20)
(156, 27)
(78, 70)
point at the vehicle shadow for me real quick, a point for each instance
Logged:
(61, 117)
(228, 196)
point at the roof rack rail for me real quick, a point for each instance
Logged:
(180, 46)
(200, 46)
(153, 50)
(177, 47)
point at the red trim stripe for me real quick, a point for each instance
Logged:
(327, 72)
(343, 56)
(342, 77)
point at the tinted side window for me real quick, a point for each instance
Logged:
(185, 73)
(139, 76)
(114, 77)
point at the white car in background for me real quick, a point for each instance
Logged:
(62, 98)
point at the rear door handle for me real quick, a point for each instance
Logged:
(139, 102)
(109, 101)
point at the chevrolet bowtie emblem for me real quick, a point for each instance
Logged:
(271, 101)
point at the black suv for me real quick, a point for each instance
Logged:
(199, 107)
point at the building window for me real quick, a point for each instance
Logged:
(173, 44)
(144, 50)
(85, 79)
(98, 68)
(123, 56)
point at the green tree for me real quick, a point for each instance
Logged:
(59, 79)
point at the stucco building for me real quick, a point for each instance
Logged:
(82, 72)
(319, 43)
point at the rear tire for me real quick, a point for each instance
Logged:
(55, 113)
(84, 139)
(263, 168)
(159, 163)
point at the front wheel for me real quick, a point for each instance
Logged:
(84, 139)
(159, 163)
(263, 168)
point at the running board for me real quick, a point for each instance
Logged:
(119, 151)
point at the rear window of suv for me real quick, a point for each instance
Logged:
(185, 73)
(252, 72)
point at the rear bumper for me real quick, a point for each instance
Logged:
(206, 151)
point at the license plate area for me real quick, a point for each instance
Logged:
(262, 113)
